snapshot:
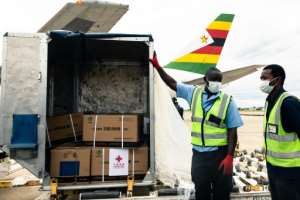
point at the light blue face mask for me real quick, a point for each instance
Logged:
(214, 86)
(266, 87)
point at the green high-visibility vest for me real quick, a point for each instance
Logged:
(282, 148)
(209, 129)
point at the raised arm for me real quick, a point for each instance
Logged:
(165, 77)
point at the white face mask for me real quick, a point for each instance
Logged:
(214, 86)
(266, 87)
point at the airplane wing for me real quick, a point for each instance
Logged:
(230, 75)
(205, 51)
(86, 16)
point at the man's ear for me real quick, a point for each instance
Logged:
(280, 82)
(277, 81)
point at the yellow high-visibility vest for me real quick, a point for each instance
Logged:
(282, 148)
(209, 128)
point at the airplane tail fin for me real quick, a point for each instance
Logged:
(209, 47)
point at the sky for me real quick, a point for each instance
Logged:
(263, 32)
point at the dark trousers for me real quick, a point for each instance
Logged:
(284, 188)
(210, 182)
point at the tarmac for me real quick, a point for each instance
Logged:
(250, 135)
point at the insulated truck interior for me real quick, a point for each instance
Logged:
(45, 75)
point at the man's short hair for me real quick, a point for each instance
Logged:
(276, 71)
(213, 69)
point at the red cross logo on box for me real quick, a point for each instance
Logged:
(119, 158)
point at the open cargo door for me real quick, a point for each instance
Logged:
(23, 102)
(88, 16)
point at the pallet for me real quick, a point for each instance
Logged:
(5, 183)
(13, 174)
(75, 180)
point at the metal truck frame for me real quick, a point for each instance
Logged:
(24, 91)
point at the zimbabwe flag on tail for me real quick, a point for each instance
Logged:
(208, 49)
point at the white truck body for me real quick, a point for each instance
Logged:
(25, 90)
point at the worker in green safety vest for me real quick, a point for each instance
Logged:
(215, 119)
(282, 133)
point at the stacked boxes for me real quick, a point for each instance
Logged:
(111, 128)
(88, 159)
(70, 161)
(101, 158)
(65, 127)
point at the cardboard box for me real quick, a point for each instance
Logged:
(102, 167)
(60, 127)
(109, 128)
(70, 161)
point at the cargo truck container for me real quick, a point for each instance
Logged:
(67, 72)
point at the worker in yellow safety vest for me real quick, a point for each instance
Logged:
(215, 119)
(282, 133)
